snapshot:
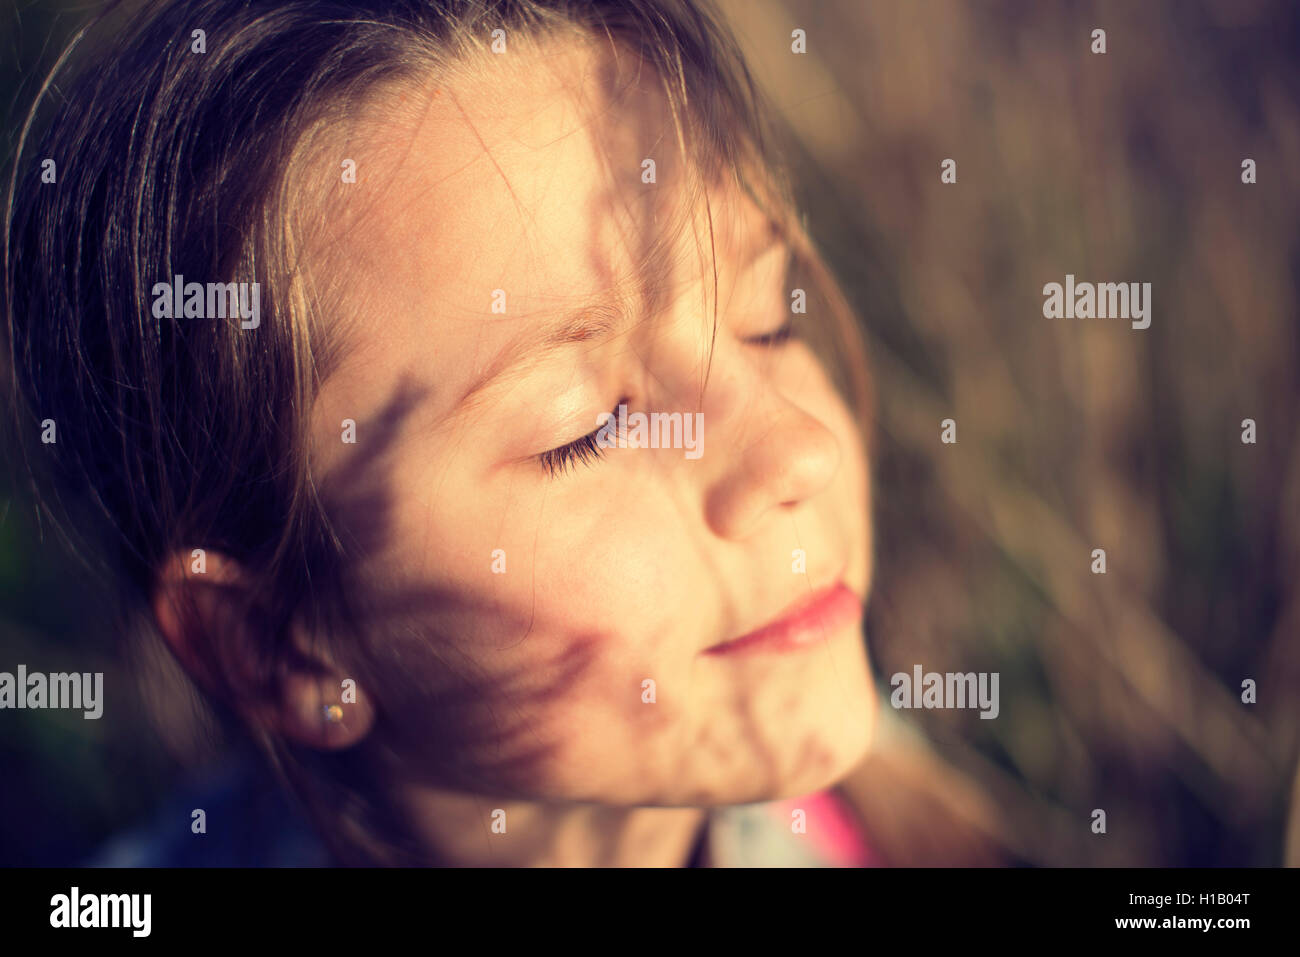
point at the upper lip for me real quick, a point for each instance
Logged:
(794, 608)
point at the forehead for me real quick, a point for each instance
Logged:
(520, 183)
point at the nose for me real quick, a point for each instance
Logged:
(779, 457)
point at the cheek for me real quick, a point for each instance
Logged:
(534, 672)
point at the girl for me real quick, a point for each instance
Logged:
(342, 315)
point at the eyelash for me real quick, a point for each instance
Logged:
(777, 337)
(585, 450)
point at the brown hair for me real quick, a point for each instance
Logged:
(180, 434)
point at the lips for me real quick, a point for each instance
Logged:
(811, 620)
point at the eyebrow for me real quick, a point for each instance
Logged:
(598, 320)
(595, 322)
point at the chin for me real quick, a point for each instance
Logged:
(832, 761)
(817, 756)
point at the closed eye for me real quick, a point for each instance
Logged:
(585, 450)
(777, 337)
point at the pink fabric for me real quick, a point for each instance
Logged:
(832, 828)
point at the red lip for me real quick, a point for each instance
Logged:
(809, 621)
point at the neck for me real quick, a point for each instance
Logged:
(460, 829)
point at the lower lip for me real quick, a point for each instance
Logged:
(814, 623)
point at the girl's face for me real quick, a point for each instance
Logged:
(543, 626)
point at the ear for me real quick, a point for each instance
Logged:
(197, 604)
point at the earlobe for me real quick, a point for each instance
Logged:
(315, 711)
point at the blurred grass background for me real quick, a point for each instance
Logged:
(1118, 691)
